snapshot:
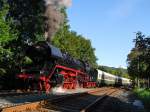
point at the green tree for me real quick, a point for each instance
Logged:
(138, 59)
(6, 55)
(115, 71)
(76, 45)
(28, 19)
(5, 36)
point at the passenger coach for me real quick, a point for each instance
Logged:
(104, 78)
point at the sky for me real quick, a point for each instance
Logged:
(111, 26)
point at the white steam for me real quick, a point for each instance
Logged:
(59, 3)
(54, 18)
(58, 90)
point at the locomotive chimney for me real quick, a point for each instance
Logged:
(54, 18)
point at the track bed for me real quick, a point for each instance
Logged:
(97, 100)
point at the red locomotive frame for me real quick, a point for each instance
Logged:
(72, 78)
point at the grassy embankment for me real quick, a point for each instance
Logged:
(144, 95)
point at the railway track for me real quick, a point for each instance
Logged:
(12, 94)
(83, 102)
(111, 103)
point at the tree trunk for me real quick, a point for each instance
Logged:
(148, 82)
(138, 82)
(145, 82)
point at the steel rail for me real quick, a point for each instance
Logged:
(98, 100)
(76, 106)
(10, 94)
(39, 104)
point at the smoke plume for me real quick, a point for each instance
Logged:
(59, 3)
(54, 18)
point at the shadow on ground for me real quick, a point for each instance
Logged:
(110, 104)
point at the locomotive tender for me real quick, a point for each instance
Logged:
(52, 68)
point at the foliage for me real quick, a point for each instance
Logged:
(139, 58)
(5, 37)
(76, 45)
(28, 19)
(115, 71)
(144, 95)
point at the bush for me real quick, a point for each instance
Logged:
(144, 95)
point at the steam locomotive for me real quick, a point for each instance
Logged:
(51, 67)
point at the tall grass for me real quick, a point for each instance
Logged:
(144, 95)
